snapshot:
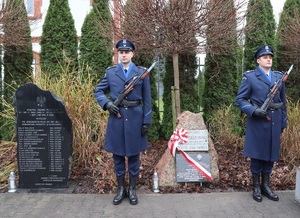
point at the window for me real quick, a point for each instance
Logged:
(2, 3)
(30, 7)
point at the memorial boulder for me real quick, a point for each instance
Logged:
(200, 147)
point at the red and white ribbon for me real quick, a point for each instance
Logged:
(179, 137)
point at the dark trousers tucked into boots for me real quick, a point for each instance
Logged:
(265, 188)
(256, 188)
(131, 192)
(122, 193)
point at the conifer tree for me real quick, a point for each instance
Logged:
(220, 71)
(260, 30)
(168, 82)
(18, 56)
(59, 40)
(96, 46)
(287, 51)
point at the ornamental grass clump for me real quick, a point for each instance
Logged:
(8, 162)
(226, 126)
(76, 89)
(290, 139)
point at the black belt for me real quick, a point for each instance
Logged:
(273, 106)
(126, 103)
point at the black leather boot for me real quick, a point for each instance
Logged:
(133, 199)
(265, 188)
(256, 188)
(122, 193)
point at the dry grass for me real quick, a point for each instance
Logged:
(8, 162)
(223, 124)
(290, 139)
(88, 119)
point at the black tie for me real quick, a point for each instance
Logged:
(125, 71)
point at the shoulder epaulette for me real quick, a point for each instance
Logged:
(141, 67)
(110, 67)
(277, 72)
(250, 71)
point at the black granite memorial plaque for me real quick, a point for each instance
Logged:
(185, 172)
(44, 138)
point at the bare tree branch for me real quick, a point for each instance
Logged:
(13, 23)
(171, 26)
(289, 38)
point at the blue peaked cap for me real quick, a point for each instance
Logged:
(125, 44)
(264, 50)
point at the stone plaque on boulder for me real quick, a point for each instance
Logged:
(185, 172)
(196, 141)
(44, 138)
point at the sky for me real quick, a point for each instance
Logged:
(277, 8)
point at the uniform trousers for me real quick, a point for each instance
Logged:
(260, 166)
(133, 165)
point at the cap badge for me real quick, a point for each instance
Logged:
(267, 48)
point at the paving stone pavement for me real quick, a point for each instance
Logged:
(151, 205)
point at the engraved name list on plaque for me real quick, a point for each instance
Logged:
(44, 138)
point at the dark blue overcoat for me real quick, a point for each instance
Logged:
(123, 136)
(262, 140)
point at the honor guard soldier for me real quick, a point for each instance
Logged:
(126, 134)
(262, 140)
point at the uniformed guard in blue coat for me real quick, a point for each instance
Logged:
(262, 140)
(126, 136)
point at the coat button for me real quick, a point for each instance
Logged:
(126, 119)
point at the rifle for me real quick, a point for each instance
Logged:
(274, 90)
(130, 86)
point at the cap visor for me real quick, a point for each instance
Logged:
(124, 49)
